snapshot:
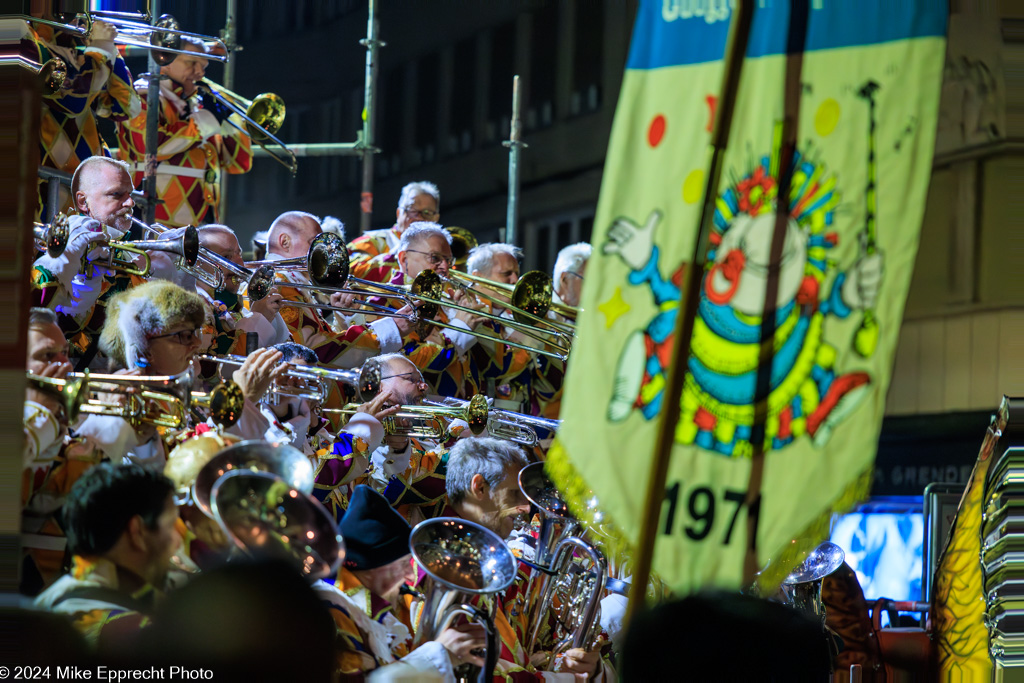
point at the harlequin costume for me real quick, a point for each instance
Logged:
(371, 244)
(194, 146)
(100, 605)
(98, 84)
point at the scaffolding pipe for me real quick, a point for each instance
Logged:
(227, 35)
(514, 144)
(366, 141)
(152, 128)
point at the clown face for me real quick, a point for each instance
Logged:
(739, 276)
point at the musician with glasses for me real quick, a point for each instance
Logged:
(365, 600)
(341, 345)
(482, 484)
(442, 354)
(54, 457)
(98, 85)
(154, 330)
(120, 523)
(419, 201)
(195, 142)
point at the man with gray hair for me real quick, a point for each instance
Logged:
(495, 261)
(420, 201)
(570, 267)
(482, 482)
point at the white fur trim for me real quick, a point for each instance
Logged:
(137, 319)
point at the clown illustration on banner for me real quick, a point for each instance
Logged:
(869, 85)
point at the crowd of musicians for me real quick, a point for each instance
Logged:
(184, 352)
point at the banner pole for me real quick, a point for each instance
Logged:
(735, 51)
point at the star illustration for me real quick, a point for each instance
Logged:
(614, 308)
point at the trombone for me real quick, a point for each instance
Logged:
(263, 114)
(186, 249)
(327, 263)
(529, 300)
(52, 238)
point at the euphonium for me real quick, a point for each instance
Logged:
(266, 517)
(580, 590)
(464, 563)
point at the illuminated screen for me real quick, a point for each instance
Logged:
(886, 549)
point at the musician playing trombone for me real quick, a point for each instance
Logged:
(196, 142)
(419, 201)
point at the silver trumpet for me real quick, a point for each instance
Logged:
(264, 516)
(309, 387)
(465, 564)
(579, 589)
(507, 424)
(53, 237)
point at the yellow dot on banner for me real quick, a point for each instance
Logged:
(693, 186)
(827, 117)
(614, 308)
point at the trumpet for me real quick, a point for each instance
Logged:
(186, 249)
(429, 421)
(52, 238)
(312, 387)
(214, 279)
(263, 115)
(506, 424)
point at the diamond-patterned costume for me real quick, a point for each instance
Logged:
(98, 84)
(193, 149)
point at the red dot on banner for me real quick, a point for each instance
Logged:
(656, 131)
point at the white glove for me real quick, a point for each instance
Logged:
(86, 234)
(632, 242)
(863, 280)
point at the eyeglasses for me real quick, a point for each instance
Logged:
(434, 257)
(418, 377)
(425, 214)
(569, 272)
(184, 337)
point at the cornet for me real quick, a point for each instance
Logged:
(264, 115)
(52, 238)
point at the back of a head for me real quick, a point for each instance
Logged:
(293, 223)
(725, 637)
(105, 498)
(249, 620)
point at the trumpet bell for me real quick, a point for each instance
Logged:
(462, 556)
(477, 413)
(53, 73)
(264, 516)
(284, 462)
(53, 237)
(542, 492)
(268, 111)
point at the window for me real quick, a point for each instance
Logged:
(463, 103)
(427, 76)
(544, 238)
(587, 58)
(540, 111)
(499, 99)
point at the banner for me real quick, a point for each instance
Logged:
(870, 79)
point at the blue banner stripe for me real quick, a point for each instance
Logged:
(679, 32)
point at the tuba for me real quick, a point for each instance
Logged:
(579, 590)
(463, 562)
(802, 588)
(265, 517)
(284, 462)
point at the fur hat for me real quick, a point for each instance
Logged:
(136, 315)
